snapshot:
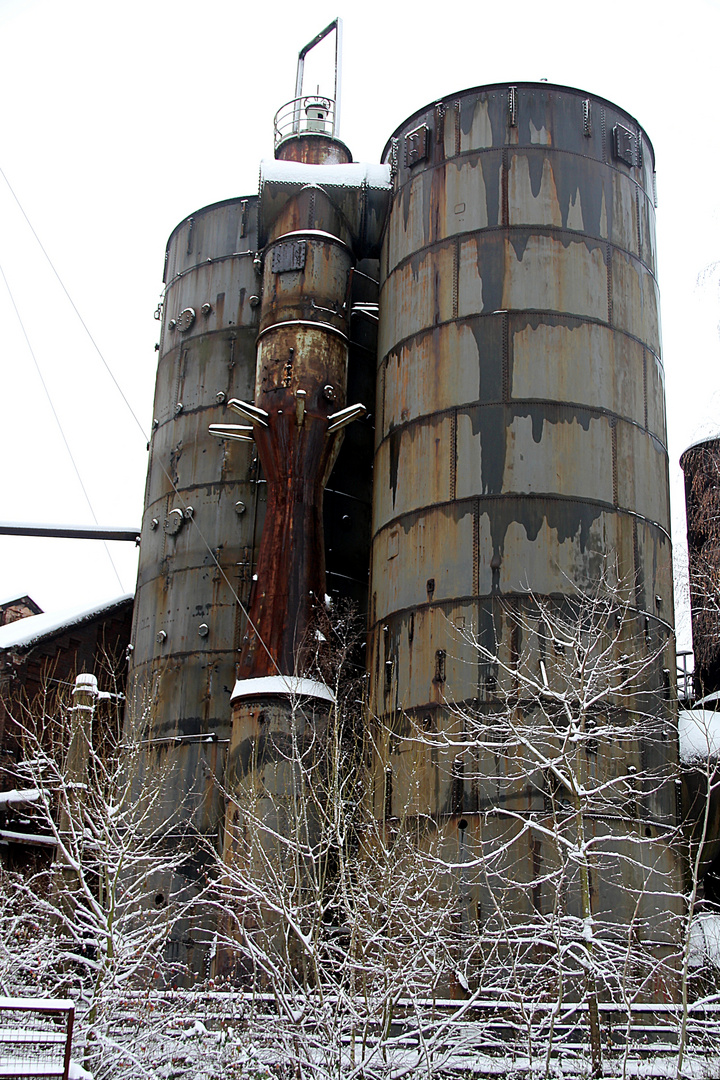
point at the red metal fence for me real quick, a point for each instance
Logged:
(35, 1037)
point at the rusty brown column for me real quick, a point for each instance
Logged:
(319, 213)
(301, 380)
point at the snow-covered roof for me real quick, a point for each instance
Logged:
(11, 836)
(699, 731)
(281, 686)
(353, 176)
(17, 598)
(26, 632)
(15, 796)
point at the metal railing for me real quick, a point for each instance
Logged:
(311, 113)
(35, 1037)
(684, 674)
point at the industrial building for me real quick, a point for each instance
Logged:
(700, 464)
(448, 372)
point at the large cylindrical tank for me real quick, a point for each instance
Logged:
(203, 513)
(701, 466)
(203, 504)
(520, 434)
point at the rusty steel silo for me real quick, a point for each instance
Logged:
(203, 503)
(520, 434)
(206, 496)
(701, 466)
(203, 512)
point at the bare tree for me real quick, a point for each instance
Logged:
(566, 879)
(355, 942)
(700, 758)
(336, 921)
(94, 924)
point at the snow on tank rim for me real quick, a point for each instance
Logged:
(712, 436)
(352, 175)
(281, 686)
(519, 85)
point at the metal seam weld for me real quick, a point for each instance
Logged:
(551, 231)
(596, 411)
(525, 496)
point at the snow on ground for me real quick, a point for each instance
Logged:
(76, 1072)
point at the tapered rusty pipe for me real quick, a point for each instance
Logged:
(301, 379)
(316, 220)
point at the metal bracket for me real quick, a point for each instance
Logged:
(344, 416)
(625, 145)
(416, 145)
(512, 106)
(587, 118)
(234, 432)
(255, 415)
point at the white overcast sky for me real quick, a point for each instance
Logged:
(118, 120)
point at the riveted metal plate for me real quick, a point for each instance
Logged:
(289, 256)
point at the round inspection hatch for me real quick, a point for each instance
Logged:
(173, 522)
(185, 319)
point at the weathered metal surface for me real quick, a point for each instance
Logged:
(348, 494)
(313, 149)
(297, 454)
(318, 223)
(348, 201)
(300, 380)
(701, 466)
(520, 435)
(191, 569)
(520, 383)
(316, 220)
(206, 499)
(315, 292)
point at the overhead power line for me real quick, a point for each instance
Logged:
(74, 306)
(57, 418)
(107, 367)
